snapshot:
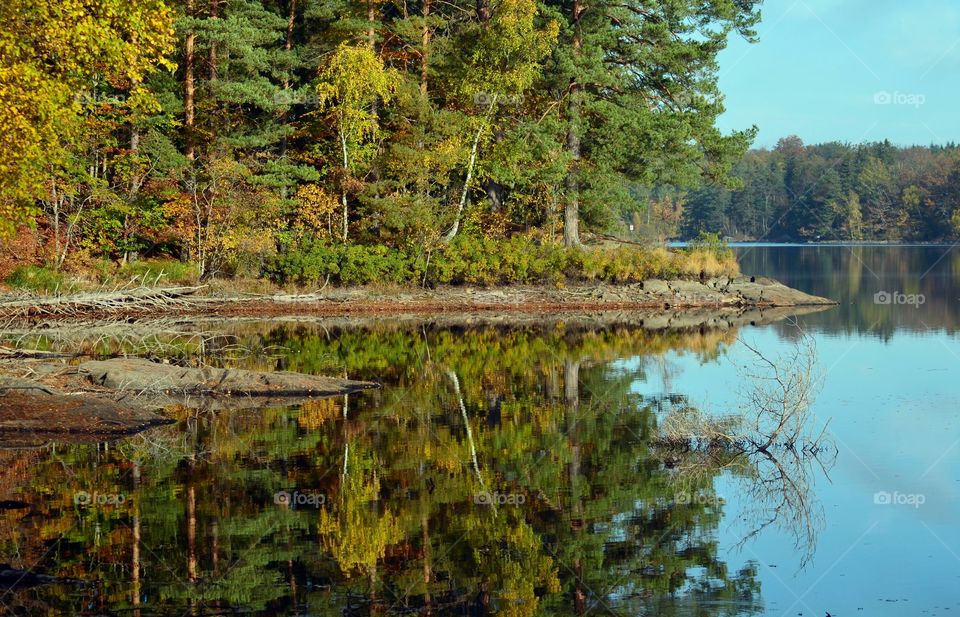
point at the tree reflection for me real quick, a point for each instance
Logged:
(579, 512)
(772, 446)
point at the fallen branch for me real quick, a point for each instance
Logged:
(126, 300)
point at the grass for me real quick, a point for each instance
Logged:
(159, 272)
(38, 279)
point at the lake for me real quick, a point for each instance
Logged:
(522, 468)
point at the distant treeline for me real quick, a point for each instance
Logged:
(831, 191)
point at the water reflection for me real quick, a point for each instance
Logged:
(863, 279)
(500, 470)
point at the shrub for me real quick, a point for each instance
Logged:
(305, 264)
(477, 260)
(371, 264)
(709, 255)
(312, 262)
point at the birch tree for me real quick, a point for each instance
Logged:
(351, 84)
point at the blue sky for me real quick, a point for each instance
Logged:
(847, 70)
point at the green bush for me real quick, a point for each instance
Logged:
(473, 260)
(36, 278)
(312, 263)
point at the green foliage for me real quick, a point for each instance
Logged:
(477, 260)
(408, 118)
(315, 262)
(36, 278)
(832, 192)
(487, 261)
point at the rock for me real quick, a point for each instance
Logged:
(143, 376)
(719, 282)
(32, 414)
(695, 292)
(764, 291)
(656, 286)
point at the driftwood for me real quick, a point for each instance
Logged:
(20, 354)
(117, 301)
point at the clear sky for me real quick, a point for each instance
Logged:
(847, 70)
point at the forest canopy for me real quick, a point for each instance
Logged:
(825, 192)
(225, 133)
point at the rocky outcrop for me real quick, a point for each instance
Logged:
(144, 376)
(744, 291)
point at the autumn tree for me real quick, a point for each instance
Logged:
(49, 53)
(351, 82)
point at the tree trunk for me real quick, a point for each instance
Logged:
(425, 49)
(285, 116)
(495, 192)
(371, 20)
(188, 87)
(135, 565)
(214, 10)
(571, 212)
(288, 42)
(191, 534)
(343, 191)
(452, 233)
(55, 203)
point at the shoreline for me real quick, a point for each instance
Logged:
(105, 399)
(743, 292)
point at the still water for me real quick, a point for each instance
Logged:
(521, 469)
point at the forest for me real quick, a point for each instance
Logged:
(826, 192)
(285, 138)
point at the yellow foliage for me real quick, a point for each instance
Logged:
(357, 536)
(227, 222)
(315, 413)
(317, 210)
(48, 51)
